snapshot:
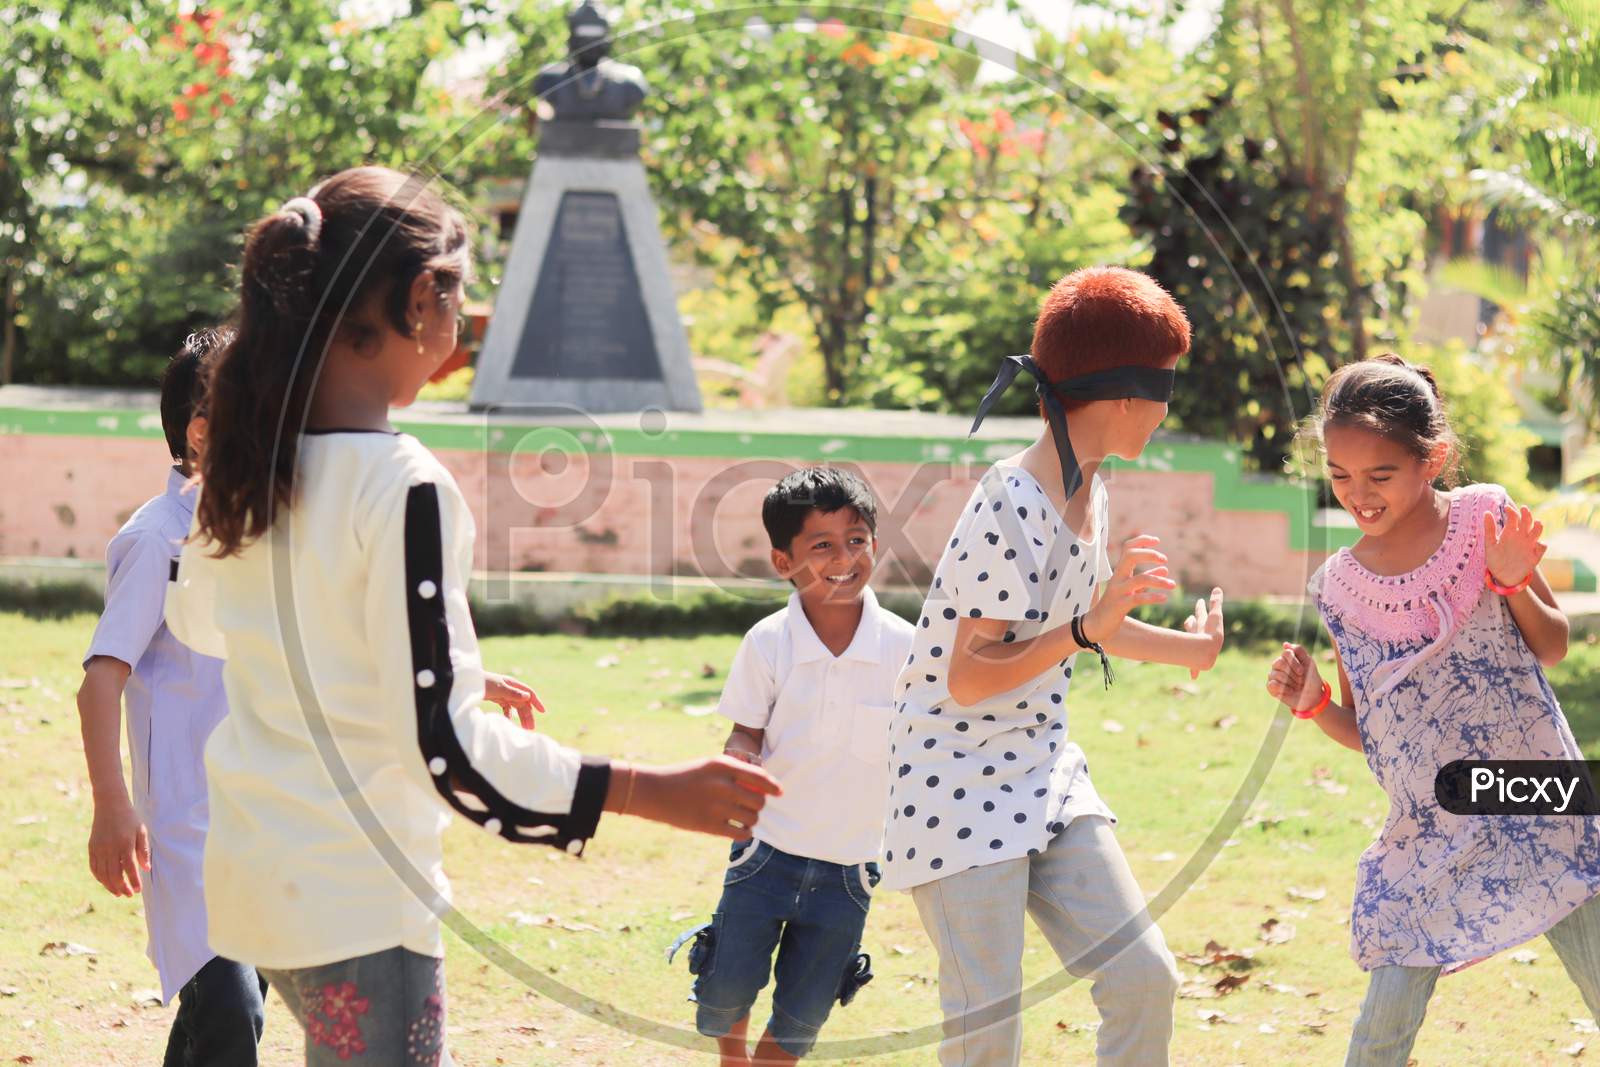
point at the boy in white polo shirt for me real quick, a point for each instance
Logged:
(811, 693)
(152, 844)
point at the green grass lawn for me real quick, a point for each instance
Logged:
(1168, 756)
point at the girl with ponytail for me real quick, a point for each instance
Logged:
(1441, 626)
(328, 568)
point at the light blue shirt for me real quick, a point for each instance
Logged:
(174, 698)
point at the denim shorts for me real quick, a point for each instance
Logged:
(812, 912)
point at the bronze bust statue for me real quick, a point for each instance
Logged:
(589, 87)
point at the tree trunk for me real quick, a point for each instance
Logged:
(1355, 310)
(8, 312)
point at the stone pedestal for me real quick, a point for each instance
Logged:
(586, 316)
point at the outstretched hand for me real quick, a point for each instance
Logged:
(720, 796)
(513, 697)
(1207, 620)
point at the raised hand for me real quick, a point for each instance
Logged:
(1512, 549)
(719, 796)
(1293, 678)
(1207, 619)
(1127, 589)
(512, 696)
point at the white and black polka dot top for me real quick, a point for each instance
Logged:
(977, 785)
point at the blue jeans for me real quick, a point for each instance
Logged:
(1397, 997)
(219, 1017)
(811, 911)
(385, 1009)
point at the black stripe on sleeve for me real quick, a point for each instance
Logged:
(461, 785)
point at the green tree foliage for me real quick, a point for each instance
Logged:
(1235, 241)
(143, 142)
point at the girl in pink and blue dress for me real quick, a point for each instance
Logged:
(1442, 625)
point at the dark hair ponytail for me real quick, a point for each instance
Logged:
(1388, 396)
(337, 263)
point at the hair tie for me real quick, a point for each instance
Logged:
(310, 214)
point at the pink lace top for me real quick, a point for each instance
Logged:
(1426, 604)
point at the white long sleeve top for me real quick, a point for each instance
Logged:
(353, 680)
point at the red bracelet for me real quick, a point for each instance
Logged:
(1319, 707)
(1505, 590)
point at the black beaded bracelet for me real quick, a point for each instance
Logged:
(1094, 646)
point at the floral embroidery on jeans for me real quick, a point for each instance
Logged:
(425, 1038)
(338, 1006)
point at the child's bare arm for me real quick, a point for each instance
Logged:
(744, 743)
(1295, 680)
(1512, 551)
(1543, 624)
(1196, 647)
(118, 843)
(984, 663)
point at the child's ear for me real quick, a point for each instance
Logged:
(195, 437)
(1437, 459)
(782, 563)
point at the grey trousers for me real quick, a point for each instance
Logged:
(1085, 901)
(1397, 997)
(382, 1010)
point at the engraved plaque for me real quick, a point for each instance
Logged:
(588, 317)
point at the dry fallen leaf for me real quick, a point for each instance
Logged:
(1196, 990)
(707, 671)
(8, 991)
(1524, 956)
(1274, 932)
(1582, 1026)
(607, 661)
(1296, 893)
(1226, 722)
(1214, 953)
(62, 949)
(146, 998)
(699, 710)
(1112, 726)
(1229, 982)
(524, 919)
(1211, 1015)
(1574, 1050)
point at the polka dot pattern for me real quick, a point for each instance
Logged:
(993, 781)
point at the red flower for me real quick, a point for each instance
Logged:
(833, 28)
(1003, 122)
(180, 111)
(195, 89)
(1033, 140)
(227, 99)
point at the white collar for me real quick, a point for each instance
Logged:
(864, 646)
